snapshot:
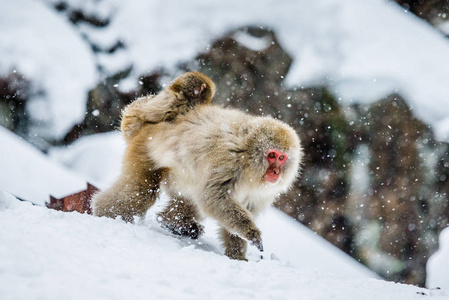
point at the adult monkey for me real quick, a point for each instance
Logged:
(211, 161)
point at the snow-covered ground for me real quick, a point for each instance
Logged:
(363, 50)
(46, 254)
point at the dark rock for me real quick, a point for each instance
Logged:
(15, 90)
(76, 15)
(106, 101)
(397, 188)
(318, 199)
(245, 78)
(433, 11)
(440, 210)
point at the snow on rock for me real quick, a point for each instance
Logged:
(49, 254)
(444, 27)
(437, 266)
(442, 130)
(46, 49)
(395, 51)
(31, 175)
(251, 42)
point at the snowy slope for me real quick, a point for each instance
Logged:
(31, 175)
(297, 245)
(47, 254)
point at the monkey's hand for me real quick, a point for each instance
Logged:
(254, 236)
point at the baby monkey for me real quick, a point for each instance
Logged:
(186, 91)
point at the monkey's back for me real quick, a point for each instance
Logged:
(206, 135)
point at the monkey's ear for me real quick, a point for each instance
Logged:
(202, 88)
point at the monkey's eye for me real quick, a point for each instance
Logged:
(281, 157)
(271, 155)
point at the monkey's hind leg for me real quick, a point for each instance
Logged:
(128, 197)
(235, 247)
(182, 218)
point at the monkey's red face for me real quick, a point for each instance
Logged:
(276, 159)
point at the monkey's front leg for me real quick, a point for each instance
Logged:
(231, 215)
(235, 247)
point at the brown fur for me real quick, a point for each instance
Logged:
(214, 161)
(235, 247)
(182, 217)
(138, 187)
(186, 91)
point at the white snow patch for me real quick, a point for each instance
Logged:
(442, 129)
(444, 27)
(96, 157)
(251, 42)
(115, 63)
(437, 266)
(46, 49)
(396, 51)
(29, 174)
(297, 245)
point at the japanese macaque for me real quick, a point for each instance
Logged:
(186, 91)
(211, 161)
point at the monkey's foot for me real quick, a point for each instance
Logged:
(192, 230)
(236, 254)
(255, 238)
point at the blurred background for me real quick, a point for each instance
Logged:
(365, 84)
